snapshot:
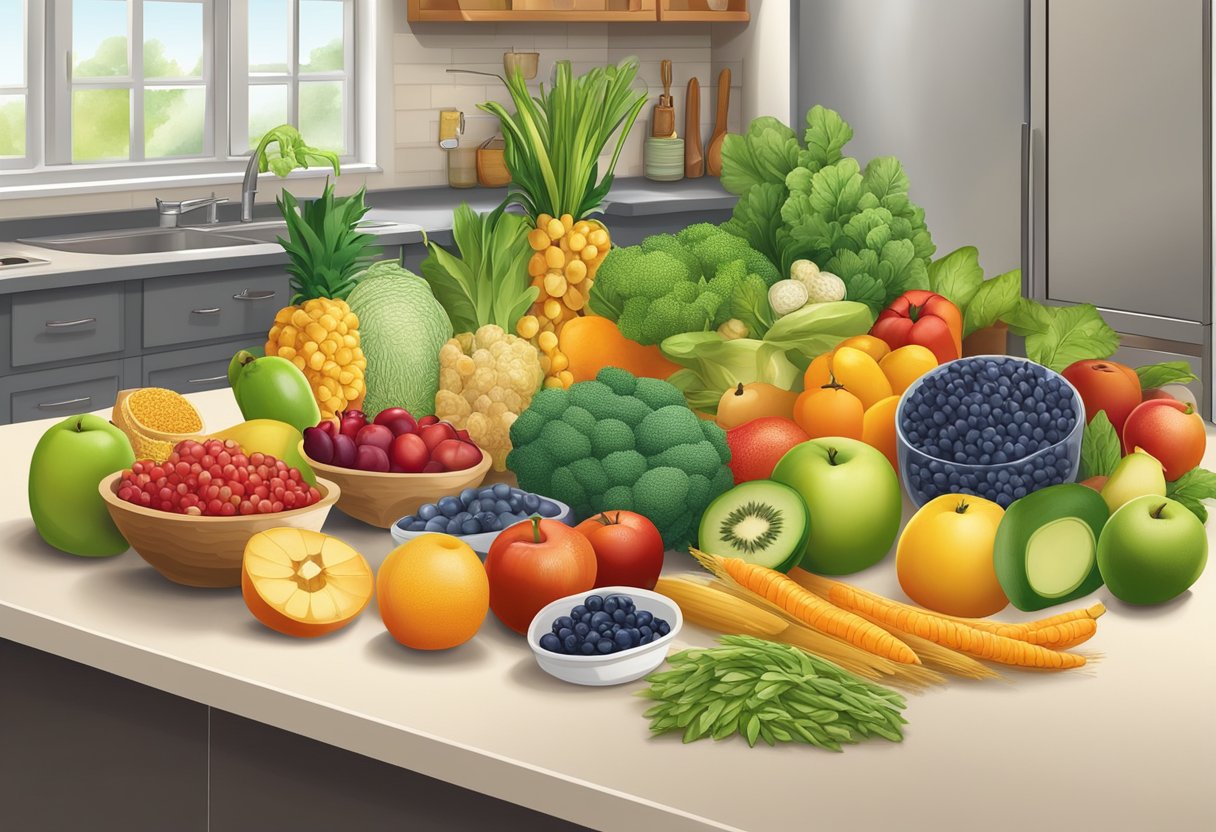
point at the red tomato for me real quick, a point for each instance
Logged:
(534, 563)
(628, 548)
(1105, 385)
(1171, 431)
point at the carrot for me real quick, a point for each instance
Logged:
(778, 589)
(965, 639)
(1056, 632)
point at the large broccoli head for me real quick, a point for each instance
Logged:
(622, 442)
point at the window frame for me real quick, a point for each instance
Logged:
(33, 26)
(36, 175)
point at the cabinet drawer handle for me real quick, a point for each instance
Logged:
(245, 294)
(65, 403)
(214, 310)
(79, 322)
(205, 380)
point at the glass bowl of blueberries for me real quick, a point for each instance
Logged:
(995, 426)
(607, 636)
(477, 515)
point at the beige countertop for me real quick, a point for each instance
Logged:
(1127, 744)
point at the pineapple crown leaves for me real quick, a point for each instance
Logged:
(553, 140)
(324, 244)
(290, 152)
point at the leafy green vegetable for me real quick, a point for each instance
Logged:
(1167, 372)
(1073, 333)
(713, 365)
(997, 297)
(1027, 317)
(1192, 488)
(1100, 449)
(809, 201)
(749, 303)
(488, 283)
(290, 152)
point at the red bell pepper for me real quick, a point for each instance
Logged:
(925, 318)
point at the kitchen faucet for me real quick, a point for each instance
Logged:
(171, 212)
(249, 188)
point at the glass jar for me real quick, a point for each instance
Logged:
(462, 167)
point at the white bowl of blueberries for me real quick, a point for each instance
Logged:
(607, 636)
(477, 515)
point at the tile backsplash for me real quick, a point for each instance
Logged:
(422, 85)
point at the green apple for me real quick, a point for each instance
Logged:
(1136, 475)
(1151, 550)
(853, 496)
(69, 462)
(272, 387)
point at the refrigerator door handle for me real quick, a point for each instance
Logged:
(1027, 283)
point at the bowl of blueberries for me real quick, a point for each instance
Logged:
(477, 515)
(995, 426)
(608, 636)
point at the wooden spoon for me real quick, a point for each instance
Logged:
(664, 124)
(713, 156)
(694, 160)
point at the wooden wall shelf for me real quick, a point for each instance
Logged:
(581, 11)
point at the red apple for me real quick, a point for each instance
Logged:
(628, 548)
(1170, 431)
(456, 455)
(344, 451)
(409, 453)
(428, 420)
(350, 421)
(757, 446)
(433, 467)
(371, 458)
(432, 435)
(377, 435)
(1105, 385)
(396, 419)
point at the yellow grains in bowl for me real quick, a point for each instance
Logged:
(164, 410)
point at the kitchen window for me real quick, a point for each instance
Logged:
(148, 89)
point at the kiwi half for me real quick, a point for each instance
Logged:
(759, 521)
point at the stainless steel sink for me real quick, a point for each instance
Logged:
(151, 241)
(269, 231)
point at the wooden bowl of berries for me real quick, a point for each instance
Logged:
(191, 515)
(393, 465)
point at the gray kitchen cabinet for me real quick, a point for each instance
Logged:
(181, 310)
(66, 390)
(194, 369)
(61, 324)
(1126, 181)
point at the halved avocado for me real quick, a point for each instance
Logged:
(1046, 546)
(759, 521)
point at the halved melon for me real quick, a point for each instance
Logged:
(304, 583)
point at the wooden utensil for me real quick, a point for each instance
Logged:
(663, 125)
(694, 160)
(713, 162)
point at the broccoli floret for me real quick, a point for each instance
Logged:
(713, 250)
(670, 244)
(696, 232)
(620, 442)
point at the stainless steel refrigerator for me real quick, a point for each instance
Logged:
(1071, 137)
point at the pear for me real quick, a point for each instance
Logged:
(1136, 475)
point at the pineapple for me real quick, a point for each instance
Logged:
(319, 333)
(553, 143)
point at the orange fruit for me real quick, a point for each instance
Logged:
(303, 583)
(830, 411)
(878, 428)
(905, 365)
(876, 348)
(433, 592)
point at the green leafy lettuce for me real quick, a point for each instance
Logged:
(959, 278)
(806, 200)
(713, 365)
(1100, 449)
(488, 283)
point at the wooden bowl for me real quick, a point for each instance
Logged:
(203, 551)
(381, 499)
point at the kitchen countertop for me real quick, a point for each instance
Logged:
(1127, 743)
(411, 212)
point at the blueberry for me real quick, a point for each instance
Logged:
(427, 511)
(474, 507)
(595, 603)
(486, 493)
(502, 506)
(449, 506)
(437, 524)
(591, 637)
(586, 648)
(563, 632)
(502, 491)
(605, 646)
(644, 618)
(623, 640)
(581, 630)
(516, 502)
(570, 642)
(470, 526)
(610, 604)
(662, 626)
(417, 526)
(468, 495)
(563, 621)
(548, 508)
(507, 519)
(489, 522)
(578, 611)
(600, 618)
(645, 631)
(551, 643)
(531, 502)
(625, 602)
(453, 526)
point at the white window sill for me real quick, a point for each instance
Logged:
(33, 189)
